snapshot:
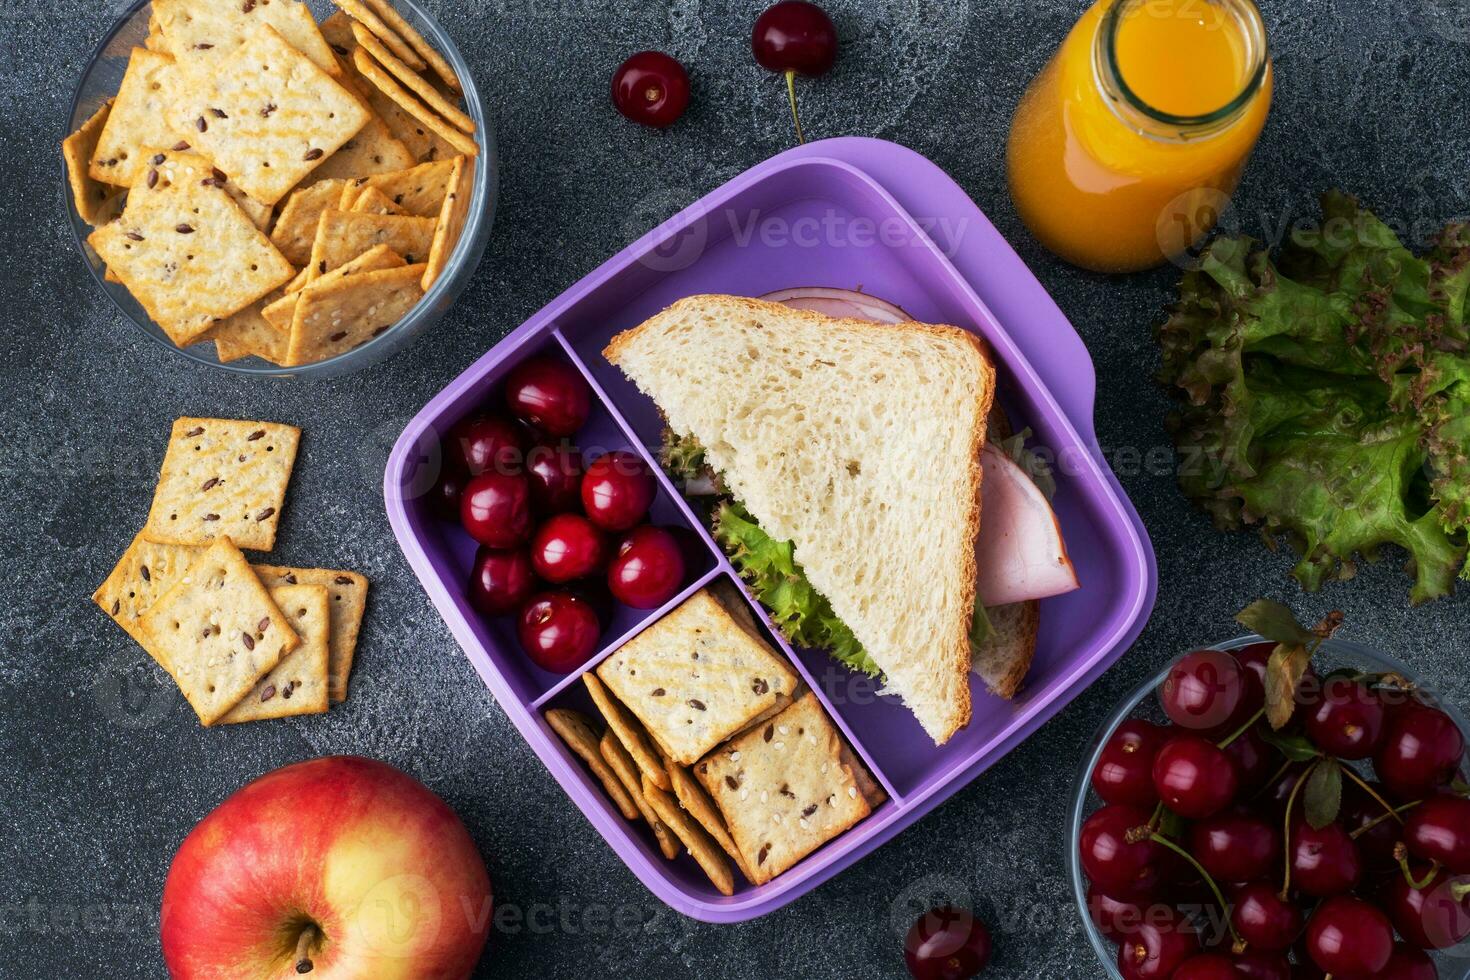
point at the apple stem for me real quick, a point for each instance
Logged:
(791, 94)
(304, 942)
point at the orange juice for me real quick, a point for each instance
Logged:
(1128, 145)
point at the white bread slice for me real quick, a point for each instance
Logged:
(1004, 660)
(858, 442)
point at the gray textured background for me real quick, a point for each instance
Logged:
(103, 770)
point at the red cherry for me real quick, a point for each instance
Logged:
(795, 36)
(568, 547)
(617, 490)
(648, 569)
(558, 631)
(947, 944)
(1432, 917)
(1112, 863)
(1203, 690)
(448, 491)
(1254, 659)
(1422, 751)
(549, 394)
(495, 509)
(1346, 720)
(1125, 770)
(1160, 947)
(1439, 830)
(1264, 919)
(501, 581)
(1253, 759)
(555, 473)
(1194, 777)
(1278, 794)
(1259, 965)
(1324, 862)
(1206, 966)
(1408, 963)
(1375, 846)
(1114, 918)
(486, 442)
(651, 88)
(1235, 845)
(1347, 937)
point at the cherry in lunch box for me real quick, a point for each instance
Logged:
(501, 581)
(550, 395)
(1207, 966)
(1346, 720)
(1422, 750)
(1125, 769)
(1160, 946)
(1194, 777)
(651, 88)
(559, 631)
(1439, 830)
(1235, 845)
(495, 509)
(1408, 963)
(487, 442)
(567, 547)
(795, 38)
(1433, 915)
(1204, 690)
(1347, 937)
(555, 472)
(947, 943)
(447, 491)
(1114, 859)
(648, 568)
(1324, 861)
(1264, 919)
(617, 491)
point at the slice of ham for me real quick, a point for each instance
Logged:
(839, 303)
(1020, 554)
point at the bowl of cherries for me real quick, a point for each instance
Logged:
(1286, 805)
(562, 533)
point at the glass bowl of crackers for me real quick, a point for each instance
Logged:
(280, 188)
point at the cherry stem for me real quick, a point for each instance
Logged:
(1266, 786)
(1243, 728)
(1363, 783)
(1402, 853)
(1461, 890)
(1286, 836)
(791, 94)
(1380, 819)
(304, 942)
(1147, 830)
(1219, 895)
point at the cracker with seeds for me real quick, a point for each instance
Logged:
(342, 236)
(423, 145)
(705, 852)
(783, 789)
(418, 191)
(249, 334)
(190, 257)
(348, 592)
(155, 40)
(368, 17)
(142, 575)
(202, 34)
(459, 192)
(629, 732)
(623, 766)
(96, 202)
(168, 167)
(295, 228)
(298, 684)
(334, 318)
(445, 130)
(374, 201)
(219, 631)
(139, 119)
(697, 804)
(374, 150)
(221, 478)
(412, 80)
(268, 116)
(696, 677)
(282, 313)
(575, 729)
(401, 27)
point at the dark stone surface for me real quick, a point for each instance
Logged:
(97, 788)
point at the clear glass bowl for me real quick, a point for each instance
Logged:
(1453, 964)
(99, 82)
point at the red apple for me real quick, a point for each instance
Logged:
(340, 867)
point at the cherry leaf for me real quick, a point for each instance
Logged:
(1323, 794)
(1296, 748)
(1284, 673)
(1172, 825)
(1275, 622)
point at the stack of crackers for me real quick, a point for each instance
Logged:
(280, 188)
(243, 642)
(714, 742)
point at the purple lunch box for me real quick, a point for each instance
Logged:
(850, 213)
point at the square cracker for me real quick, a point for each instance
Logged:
(369, 18)
(418, 138)
(335, 317)
(139, 119)
(696, 677)
(295, 228)
(222, 477)
(384, 82)
(704, 850)
(219, 631)
(459, 192)
(281, 313)
(623, 766)
(342, 236)
(418, 191)
(268, 116)
(575, 729)
(167, 167)
(629, 732)
(142, 575)
(412, 80)
(298, 684)
(697, 804)
(201, 34)
(190, 257)
(249, 334)
(784, 789)
(374, 201)
(348, 592)
(400, 26)
(374, 150)
(96, 202)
